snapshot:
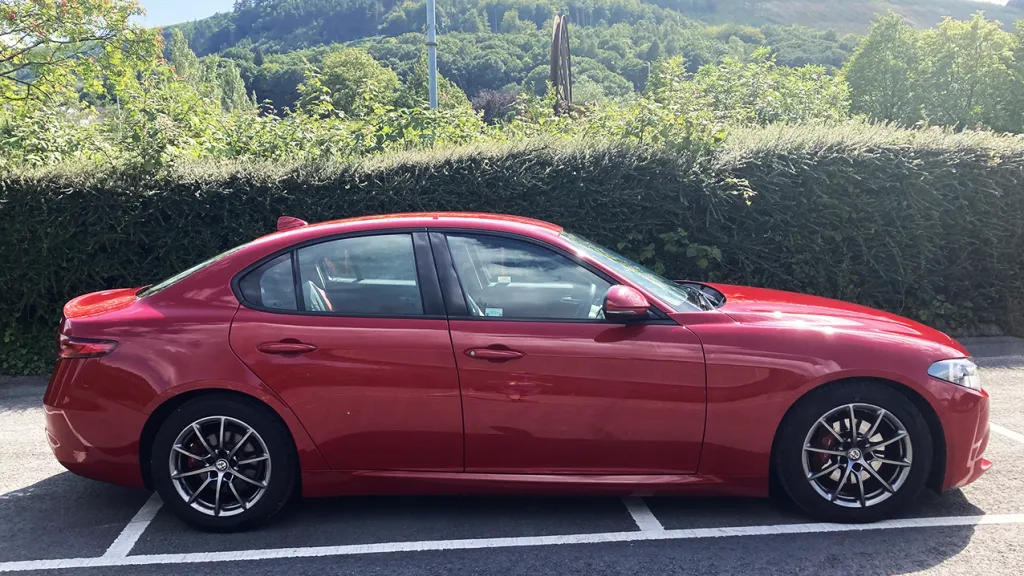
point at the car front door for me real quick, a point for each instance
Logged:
(548, 385)
(351, 333)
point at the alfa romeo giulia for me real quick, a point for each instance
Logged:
(468, 353)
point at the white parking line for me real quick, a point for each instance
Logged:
(130, 535)
(1006, 432)
(391, 547)
(645, 520)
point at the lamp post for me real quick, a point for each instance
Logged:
(431, 56)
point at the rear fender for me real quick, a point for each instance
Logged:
(309, 455)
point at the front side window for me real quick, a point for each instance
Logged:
(508, 278)
(680, 298)
(366, 275)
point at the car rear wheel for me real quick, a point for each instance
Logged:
(223, 464)
(854, 451)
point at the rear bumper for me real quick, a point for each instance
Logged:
(88, 434)
(967, 432)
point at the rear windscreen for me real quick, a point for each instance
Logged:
(182, 275)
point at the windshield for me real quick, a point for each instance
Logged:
(676, 296)
(185, 274)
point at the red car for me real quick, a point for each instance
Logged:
(466, 353)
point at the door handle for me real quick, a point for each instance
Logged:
(285, 348)
(494, 355)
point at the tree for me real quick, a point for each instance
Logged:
(232, 89)
(474, 22)
(415, 91)
(315, 98)
(212, 77)
(48, 47)
(1015, 106)
(182, 59)
(510, 23)
(883, 72)
(586, 91)
(653, 51)
(667, 75)
(966, 77)
(257, 56)
(278, 84)
(356, 81)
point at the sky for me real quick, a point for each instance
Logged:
(165, 12)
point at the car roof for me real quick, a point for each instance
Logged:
(476, 220)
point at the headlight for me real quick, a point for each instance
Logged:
(960, 371)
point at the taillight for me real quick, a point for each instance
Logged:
(68, 347)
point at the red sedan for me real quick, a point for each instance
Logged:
(466, 353)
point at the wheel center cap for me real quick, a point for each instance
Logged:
(854, 454)
(221, 465)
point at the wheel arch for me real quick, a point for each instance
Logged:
(938, 470)
(158, 416)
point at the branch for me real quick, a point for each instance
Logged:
(40, 62)
(22, 52)
(28, 90)
(10, 72)
(101, 38)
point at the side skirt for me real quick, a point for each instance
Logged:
(382, 482)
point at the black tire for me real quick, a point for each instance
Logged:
(282, 474)
(798, 424)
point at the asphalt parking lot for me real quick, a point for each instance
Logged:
(52, 522)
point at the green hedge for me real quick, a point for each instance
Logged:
(923, 224)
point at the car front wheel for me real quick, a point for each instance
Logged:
(853, 452)
(222, 463)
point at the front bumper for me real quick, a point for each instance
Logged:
(965, 423)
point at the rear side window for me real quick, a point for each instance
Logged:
(272, 285)
(365, 275)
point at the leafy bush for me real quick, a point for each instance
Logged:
(762, 92)
(920, 223)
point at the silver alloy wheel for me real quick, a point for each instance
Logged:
(857, 455)
(220, 466)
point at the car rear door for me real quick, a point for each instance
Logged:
(351, 333)
(550, 387)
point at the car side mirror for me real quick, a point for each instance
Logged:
(625, 303)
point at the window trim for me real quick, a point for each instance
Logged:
(451, 286)
(453, 289)
(430, 290)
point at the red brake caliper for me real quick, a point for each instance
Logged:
(828, 442)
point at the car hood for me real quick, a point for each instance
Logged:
(749, 305)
